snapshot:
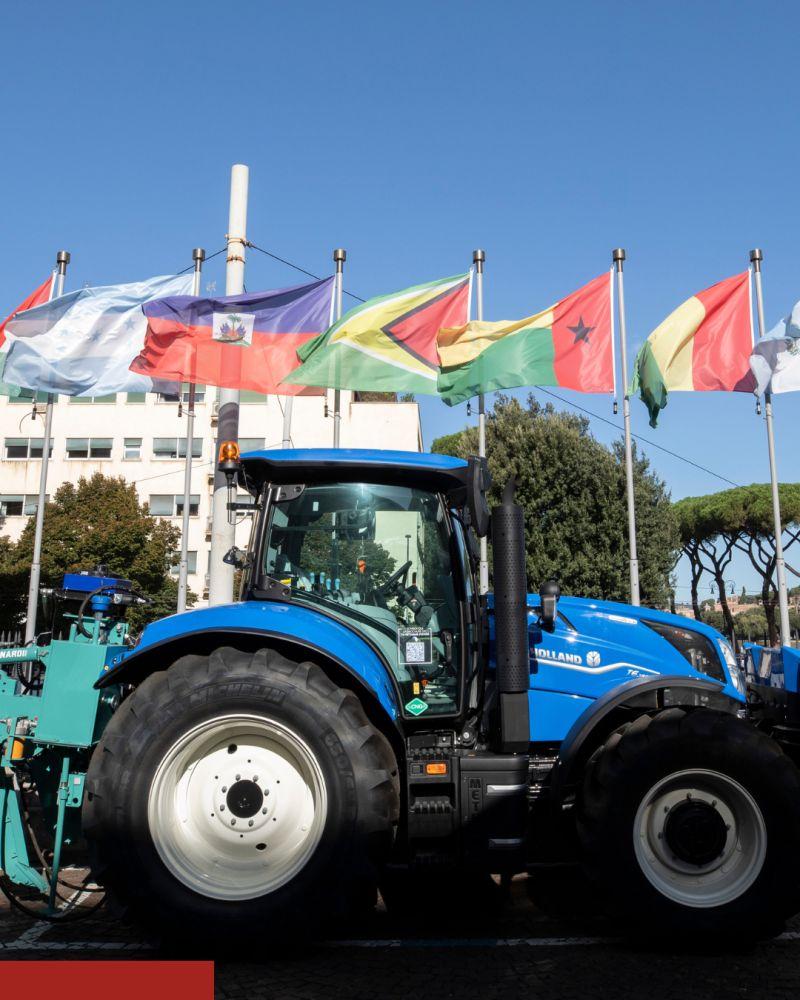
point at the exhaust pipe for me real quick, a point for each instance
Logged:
(511, 622)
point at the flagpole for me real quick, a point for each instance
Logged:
(756, 256)
(478, 260)
(286, 441)
(198, 256)
(339, 257)
(56, 289)
(618, 257)
(223, 531)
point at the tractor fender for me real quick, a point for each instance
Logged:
(310, 633)
(645, 692)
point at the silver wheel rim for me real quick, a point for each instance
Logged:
(743, 839)
(237, 807)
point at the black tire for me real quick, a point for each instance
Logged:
(356, 761)
(619, 777)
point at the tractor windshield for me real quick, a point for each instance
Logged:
(378, 556)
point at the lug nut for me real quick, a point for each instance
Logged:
(224, 788)
(249, 822)
(238, 777)
(222, 809)
(255, 777)
(263, 812)
(233, 822)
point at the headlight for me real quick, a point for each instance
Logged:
(698, 650)
(737, 675)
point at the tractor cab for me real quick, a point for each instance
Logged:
(377, 541)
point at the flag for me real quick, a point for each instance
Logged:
(571, 344)
(775, 361)
(237, 342)
(82, 343)
(704, 345)
(388, 343)
(41, 294)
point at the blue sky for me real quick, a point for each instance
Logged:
(546, 133)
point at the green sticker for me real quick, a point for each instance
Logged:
(417, 706)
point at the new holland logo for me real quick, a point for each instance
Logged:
(558, 657)
(573, 659)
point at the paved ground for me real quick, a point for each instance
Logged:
(517, 953)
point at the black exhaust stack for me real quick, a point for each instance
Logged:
(511, 622)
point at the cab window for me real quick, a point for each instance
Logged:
(379, 558)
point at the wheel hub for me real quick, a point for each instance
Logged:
(244, 799)
(700, 838)
(237, 806)
(695, 832)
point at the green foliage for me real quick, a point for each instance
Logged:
(711, 527)
(97, 521)
(572, 489)
(320, 553)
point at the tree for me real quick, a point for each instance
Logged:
(713, 526)
(572, 490)
(93, 522)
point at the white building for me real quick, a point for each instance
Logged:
(143, 439)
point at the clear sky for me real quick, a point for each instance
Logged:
(410, 134)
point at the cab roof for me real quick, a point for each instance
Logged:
(408, 468)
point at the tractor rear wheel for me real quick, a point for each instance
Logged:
(689, 822)
(240, 795)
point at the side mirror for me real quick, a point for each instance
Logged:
(236, 557)
(478, 482)
(549, 593)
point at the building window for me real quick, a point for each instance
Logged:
(250, 444)
(112, 398)
(136, 397)
(15, 505)
(25, 448)
(171, 504)
(132, 449)
(199, 394)
(194, 505)
(27, 395)
(191, 564)
(176, 447)
(89, 447)
(11, 505)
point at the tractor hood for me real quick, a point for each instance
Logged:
(597, 645)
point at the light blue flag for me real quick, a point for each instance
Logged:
(82, 343)
(775, 360)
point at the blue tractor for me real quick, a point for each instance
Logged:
(363, 717)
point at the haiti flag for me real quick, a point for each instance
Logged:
(235, 342)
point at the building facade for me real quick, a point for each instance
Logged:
(142, 437)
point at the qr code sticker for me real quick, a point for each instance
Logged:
(415, 652)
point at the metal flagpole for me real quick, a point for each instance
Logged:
(198, 256)
(286, 441)
(223, 532)
(57, 288)
(478, 259)
(618, 257)
(756, 256)
(339, 257)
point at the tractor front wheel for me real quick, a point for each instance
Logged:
(239, 795)
(689, 822)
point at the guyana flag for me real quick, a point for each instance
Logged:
(388, 343)
(704, 345)
(570, 344)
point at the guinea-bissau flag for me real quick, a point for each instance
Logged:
(388, 343)
(236, 342)
(36, 298)
(704, 345)
(571, 344)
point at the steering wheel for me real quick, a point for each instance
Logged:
(387, 588)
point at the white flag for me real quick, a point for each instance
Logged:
(775, 360)
(82, 343)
